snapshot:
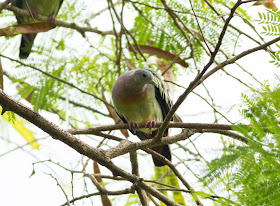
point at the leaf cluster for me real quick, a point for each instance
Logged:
(157, 28)
(271, 22)
(271, 26)
(92, 63)
(250, 172)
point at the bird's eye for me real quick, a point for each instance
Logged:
(144, 75)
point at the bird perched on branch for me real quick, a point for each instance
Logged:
(140, 96)
(43, 7)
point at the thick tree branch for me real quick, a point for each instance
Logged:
(126, 146)
(142, 196)
(135, 170)
(9, 104)
(94, 130)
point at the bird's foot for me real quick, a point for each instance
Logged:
(133, 126)
(33, 12)
(151, 124)
(52, 19)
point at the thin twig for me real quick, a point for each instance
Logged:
(59, 185)
(176, 172)
(4, 4)
(199, 78)
(92, 16)
(199, 26)
(119, 192)
(57, 78)
(21, 146)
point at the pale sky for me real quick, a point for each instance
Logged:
(17, 189)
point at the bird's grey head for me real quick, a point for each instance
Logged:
(133, 83)
(142, 76)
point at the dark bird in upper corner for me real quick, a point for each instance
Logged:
(140, 96)
(48, 8)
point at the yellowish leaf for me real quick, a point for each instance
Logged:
(267, 3)
(171, 179)
(159, 173)
(177, 195)
(203, 6)
(25, 133)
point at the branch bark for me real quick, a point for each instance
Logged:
(80, 29)
(94, 130)
(4, 4)
(9, 104)
(198, 77)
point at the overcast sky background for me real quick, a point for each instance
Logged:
(16, 188)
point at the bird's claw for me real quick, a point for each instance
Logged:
(133, 126)
(52, 19)
(151, 124)
(33, 12)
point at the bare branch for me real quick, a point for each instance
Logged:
(142, 196)
(199, 76)
(4, 4)
(126, 146)
(58, 79)
(94, 130)
(176, 172)
(92, 16)
(235, 58)
(119, 192)
(80, 29)
(59, 185)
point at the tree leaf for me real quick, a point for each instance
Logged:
(160, 53)
(25, 133)
(27, 28)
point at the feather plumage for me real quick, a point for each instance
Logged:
(43, 7)
(139, 96)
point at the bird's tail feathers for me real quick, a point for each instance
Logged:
(26, 45)
(164, 151)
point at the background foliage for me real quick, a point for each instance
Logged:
(69, 76)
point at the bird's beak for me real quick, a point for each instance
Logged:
(154, 83)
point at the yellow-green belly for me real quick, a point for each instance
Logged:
(43, 7)
(142, 111)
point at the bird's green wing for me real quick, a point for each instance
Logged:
(161, 94)
(19, 4)
(43, 7)
(61, 1)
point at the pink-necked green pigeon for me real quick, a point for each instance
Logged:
(140, 96)
(43, 7)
